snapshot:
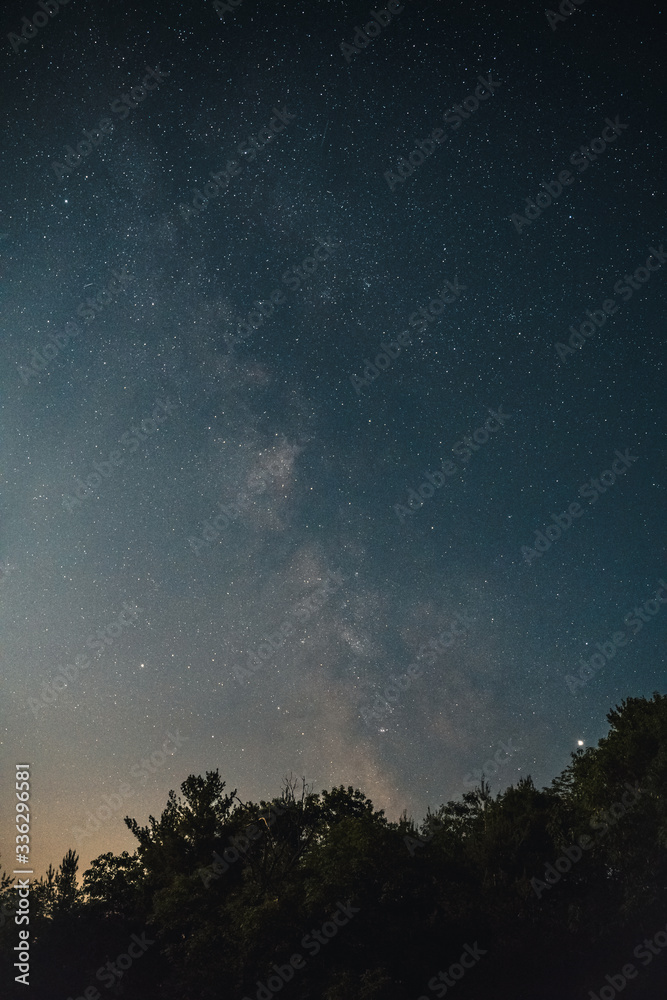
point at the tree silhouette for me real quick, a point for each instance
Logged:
(229, 890)
(67, 892)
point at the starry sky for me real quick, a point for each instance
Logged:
(199, 453)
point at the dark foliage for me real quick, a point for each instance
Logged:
(219, 892)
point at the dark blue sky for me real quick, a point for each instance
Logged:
(163, 422)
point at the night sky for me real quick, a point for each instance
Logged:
(200, 453)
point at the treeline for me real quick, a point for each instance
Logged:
(531, 895)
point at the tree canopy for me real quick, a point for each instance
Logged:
(549, 890)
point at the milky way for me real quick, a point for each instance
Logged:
(307, 365)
